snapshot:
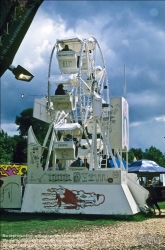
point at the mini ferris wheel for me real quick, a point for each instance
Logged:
(82, 109)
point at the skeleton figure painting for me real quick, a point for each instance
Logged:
(63, 198)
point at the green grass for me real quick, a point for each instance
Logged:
(50, 224)
(47, 224)
(161, 205)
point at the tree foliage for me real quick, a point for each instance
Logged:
(130, 156)
(26, 119)
(14, 149)
(20, 150)
(137, 152)
(152, 154)
(7, 145)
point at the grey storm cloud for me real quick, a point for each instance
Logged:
(130, 33)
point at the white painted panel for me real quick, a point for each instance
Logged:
(130, 198)
(31, 137)
(40, 110)
(67, 61)
(64, 102)
(119, 124)
(139, 193)
(103, 176)
(97, 107)
(10, 192)
(76, 199)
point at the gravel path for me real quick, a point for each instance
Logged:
(147, 235)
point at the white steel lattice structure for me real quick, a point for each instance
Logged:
(83, 75)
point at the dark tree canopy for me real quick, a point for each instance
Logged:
(152, 154)
(20, 152)
(155, 154)
(7, 145)
(26, 119)
(14, 149)
(138, 153)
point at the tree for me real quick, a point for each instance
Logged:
(130, 156)
(20, 151)
(154, 154)
(7, 146)
(26, 119)
(15, 148)
(138, 153)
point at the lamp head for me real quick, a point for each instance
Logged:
(21, 73)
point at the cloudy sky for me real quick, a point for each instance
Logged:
(130, 33)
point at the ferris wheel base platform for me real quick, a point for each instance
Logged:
(91, 199)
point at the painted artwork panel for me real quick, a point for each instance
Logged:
(10, 192)
(76, 199)
(77, 176)
(12, 169)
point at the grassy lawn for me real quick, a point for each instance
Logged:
(47, 224)
(50, 224)
(161, 205)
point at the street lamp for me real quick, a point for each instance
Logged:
(21, 73)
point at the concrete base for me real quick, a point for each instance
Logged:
(79, 199)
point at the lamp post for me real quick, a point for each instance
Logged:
(23, 95)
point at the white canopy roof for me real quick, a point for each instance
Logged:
(67, 79)
(67, 126)
(85, 143)
(69, 40)
(75, 43)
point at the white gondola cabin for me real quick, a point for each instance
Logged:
(64, 102)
